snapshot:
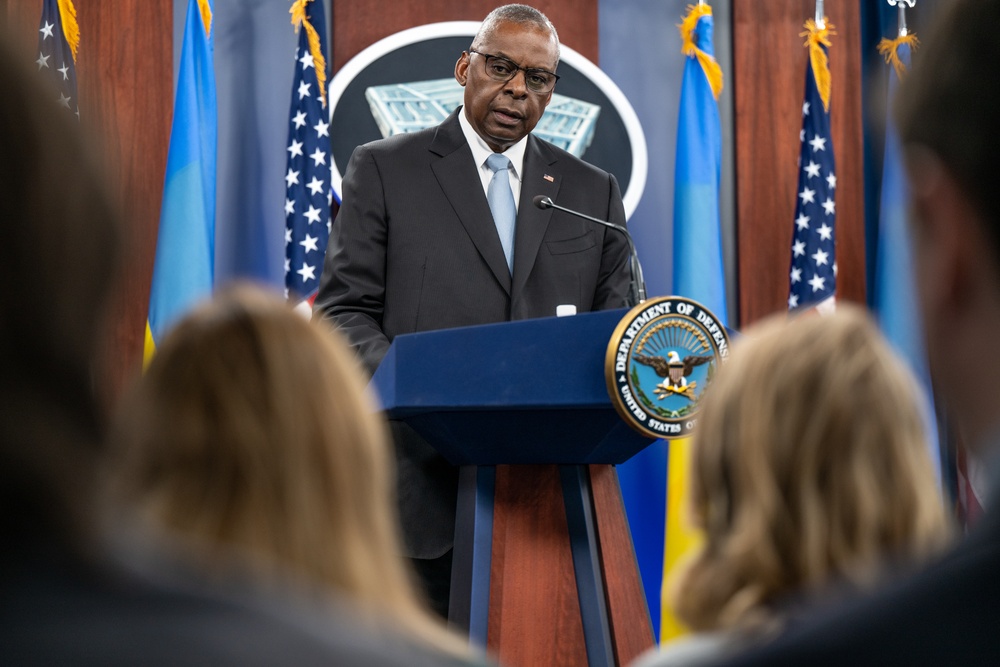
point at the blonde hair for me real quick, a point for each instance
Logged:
(251, 433)
(810, 466)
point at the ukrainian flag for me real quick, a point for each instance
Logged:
(698, 267)
(895, 300)
(185, 249)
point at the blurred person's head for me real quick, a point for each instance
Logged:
(59, 249)
(946, 112)
(251, 434)
(810, 466)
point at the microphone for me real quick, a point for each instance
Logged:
(637, 286)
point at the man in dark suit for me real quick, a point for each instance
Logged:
(947, 114)
(422, 240)
(67, 595)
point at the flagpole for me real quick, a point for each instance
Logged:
(901, 6)
(820, 15)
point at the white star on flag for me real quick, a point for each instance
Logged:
(312, 215)
(315, 186)
(307, 272)
(309, 243)
(818, 143)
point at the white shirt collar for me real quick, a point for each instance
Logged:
(480, 151)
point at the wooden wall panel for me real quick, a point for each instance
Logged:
(126, 78)
(19, 21)
(357, 25)
(768, 80)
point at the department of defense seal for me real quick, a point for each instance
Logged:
(660, 359)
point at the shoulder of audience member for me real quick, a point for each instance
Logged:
(144, 607)
(702, 648)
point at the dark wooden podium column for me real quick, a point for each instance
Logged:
(534, 620)
(539, 599)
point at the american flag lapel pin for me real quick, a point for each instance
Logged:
(550, 179)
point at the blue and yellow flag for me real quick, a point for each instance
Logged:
(699, 273)
(185, 248)
(698, 267)
(895, 300)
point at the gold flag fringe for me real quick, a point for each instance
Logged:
(71, 29)
(890, 49)
(816, 38)
(206, 16)
(713, 72)
(299, 18)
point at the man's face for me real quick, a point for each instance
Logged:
(504, 112)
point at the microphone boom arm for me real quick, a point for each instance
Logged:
(637, 285)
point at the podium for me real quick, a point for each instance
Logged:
(544, 572)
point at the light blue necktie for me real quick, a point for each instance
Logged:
(501, 200)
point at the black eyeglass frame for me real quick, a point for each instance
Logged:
(517, 68)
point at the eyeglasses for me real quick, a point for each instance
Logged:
(499, 68)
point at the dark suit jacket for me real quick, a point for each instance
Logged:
(414, 247)
(949, 614)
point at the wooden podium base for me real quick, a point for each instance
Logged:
(544, 569)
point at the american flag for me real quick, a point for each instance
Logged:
(813, 275)
(56, 56)
(307, 180)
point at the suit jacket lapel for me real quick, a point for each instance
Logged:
(459, 179)
(540, 178)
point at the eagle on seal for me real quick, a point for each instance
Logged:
(662, 365)
(674, 370)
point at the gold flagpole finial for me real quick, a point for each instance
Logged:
(299, 18)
